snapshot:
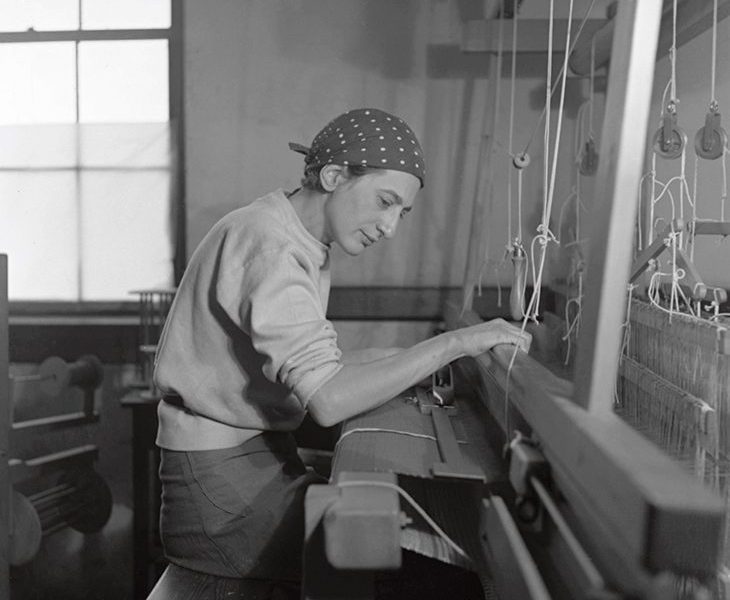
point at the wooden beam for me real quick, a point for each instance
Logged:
(702, 227)
(617, 185)
(638, 510)
(14, 37)
(694, 17)
(532, 34)
(5, 420)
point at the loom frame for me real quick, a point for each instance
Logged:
(635, 509)
(632, 498)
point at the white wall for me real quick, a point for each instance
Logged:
(261, 73)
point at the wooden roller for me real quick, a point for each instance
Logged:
(55, 374)
(25, 530)
(81, 500)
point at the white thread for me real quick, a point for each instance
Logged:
(413, 434)
(713, 100)
(572, 46)
(513, 79)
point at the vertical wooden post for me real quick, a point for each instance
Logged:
(623, 140)
(5, 413)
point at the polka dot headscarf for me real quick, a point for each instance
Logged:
(366, 137)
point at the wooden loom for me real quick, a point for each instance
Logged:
(585, 505)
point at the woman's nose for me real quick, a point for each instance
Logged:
(388, 226)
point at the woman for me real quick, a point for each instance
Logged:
(247, 350)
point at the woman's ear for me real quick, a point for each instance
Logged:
(331, 175)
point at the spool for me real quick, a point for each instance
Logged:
(82, 500)
(25, 533)
(54, 374)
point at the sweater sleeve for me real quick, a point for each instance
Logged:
(274, 299)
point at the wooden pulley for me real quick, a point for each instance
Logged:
(89, 505)
(55, 374)
(521, 160)
(517, 293)
(711, 139)
(589, 159)
(670, 139)
(25, 531)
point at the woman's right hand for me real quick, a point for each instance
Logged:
(477, 339)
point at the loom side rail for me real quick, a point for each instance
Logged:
(5, 488)
(636, 508)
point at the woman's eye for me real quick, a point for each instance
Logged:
(385, 202)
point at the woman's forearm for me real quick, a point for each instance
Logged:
(366, 355)
(360, 386)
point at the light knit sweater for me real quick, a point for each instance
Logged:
(246, 342)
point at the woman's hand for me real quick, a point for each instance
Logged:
(477, 339)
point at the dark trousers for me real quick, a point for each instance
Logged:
(236, 512)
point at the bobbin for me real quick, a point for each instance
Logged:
(80, 499)
(517, 292)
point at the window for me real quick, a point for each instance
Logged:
(88, 123)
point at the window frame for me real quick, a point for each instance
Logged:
(49, 311)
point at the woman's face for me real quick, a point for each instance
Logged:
(362, 210)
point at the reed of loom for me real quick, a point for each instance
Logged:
(674, 385)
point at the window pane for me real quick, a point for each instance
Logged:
(126, 240)
(126, 145)
(39, 233)
(66, 146)
(50, 146)
(41, 15)
(123, 81)
(125, 14)
(38, 83)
